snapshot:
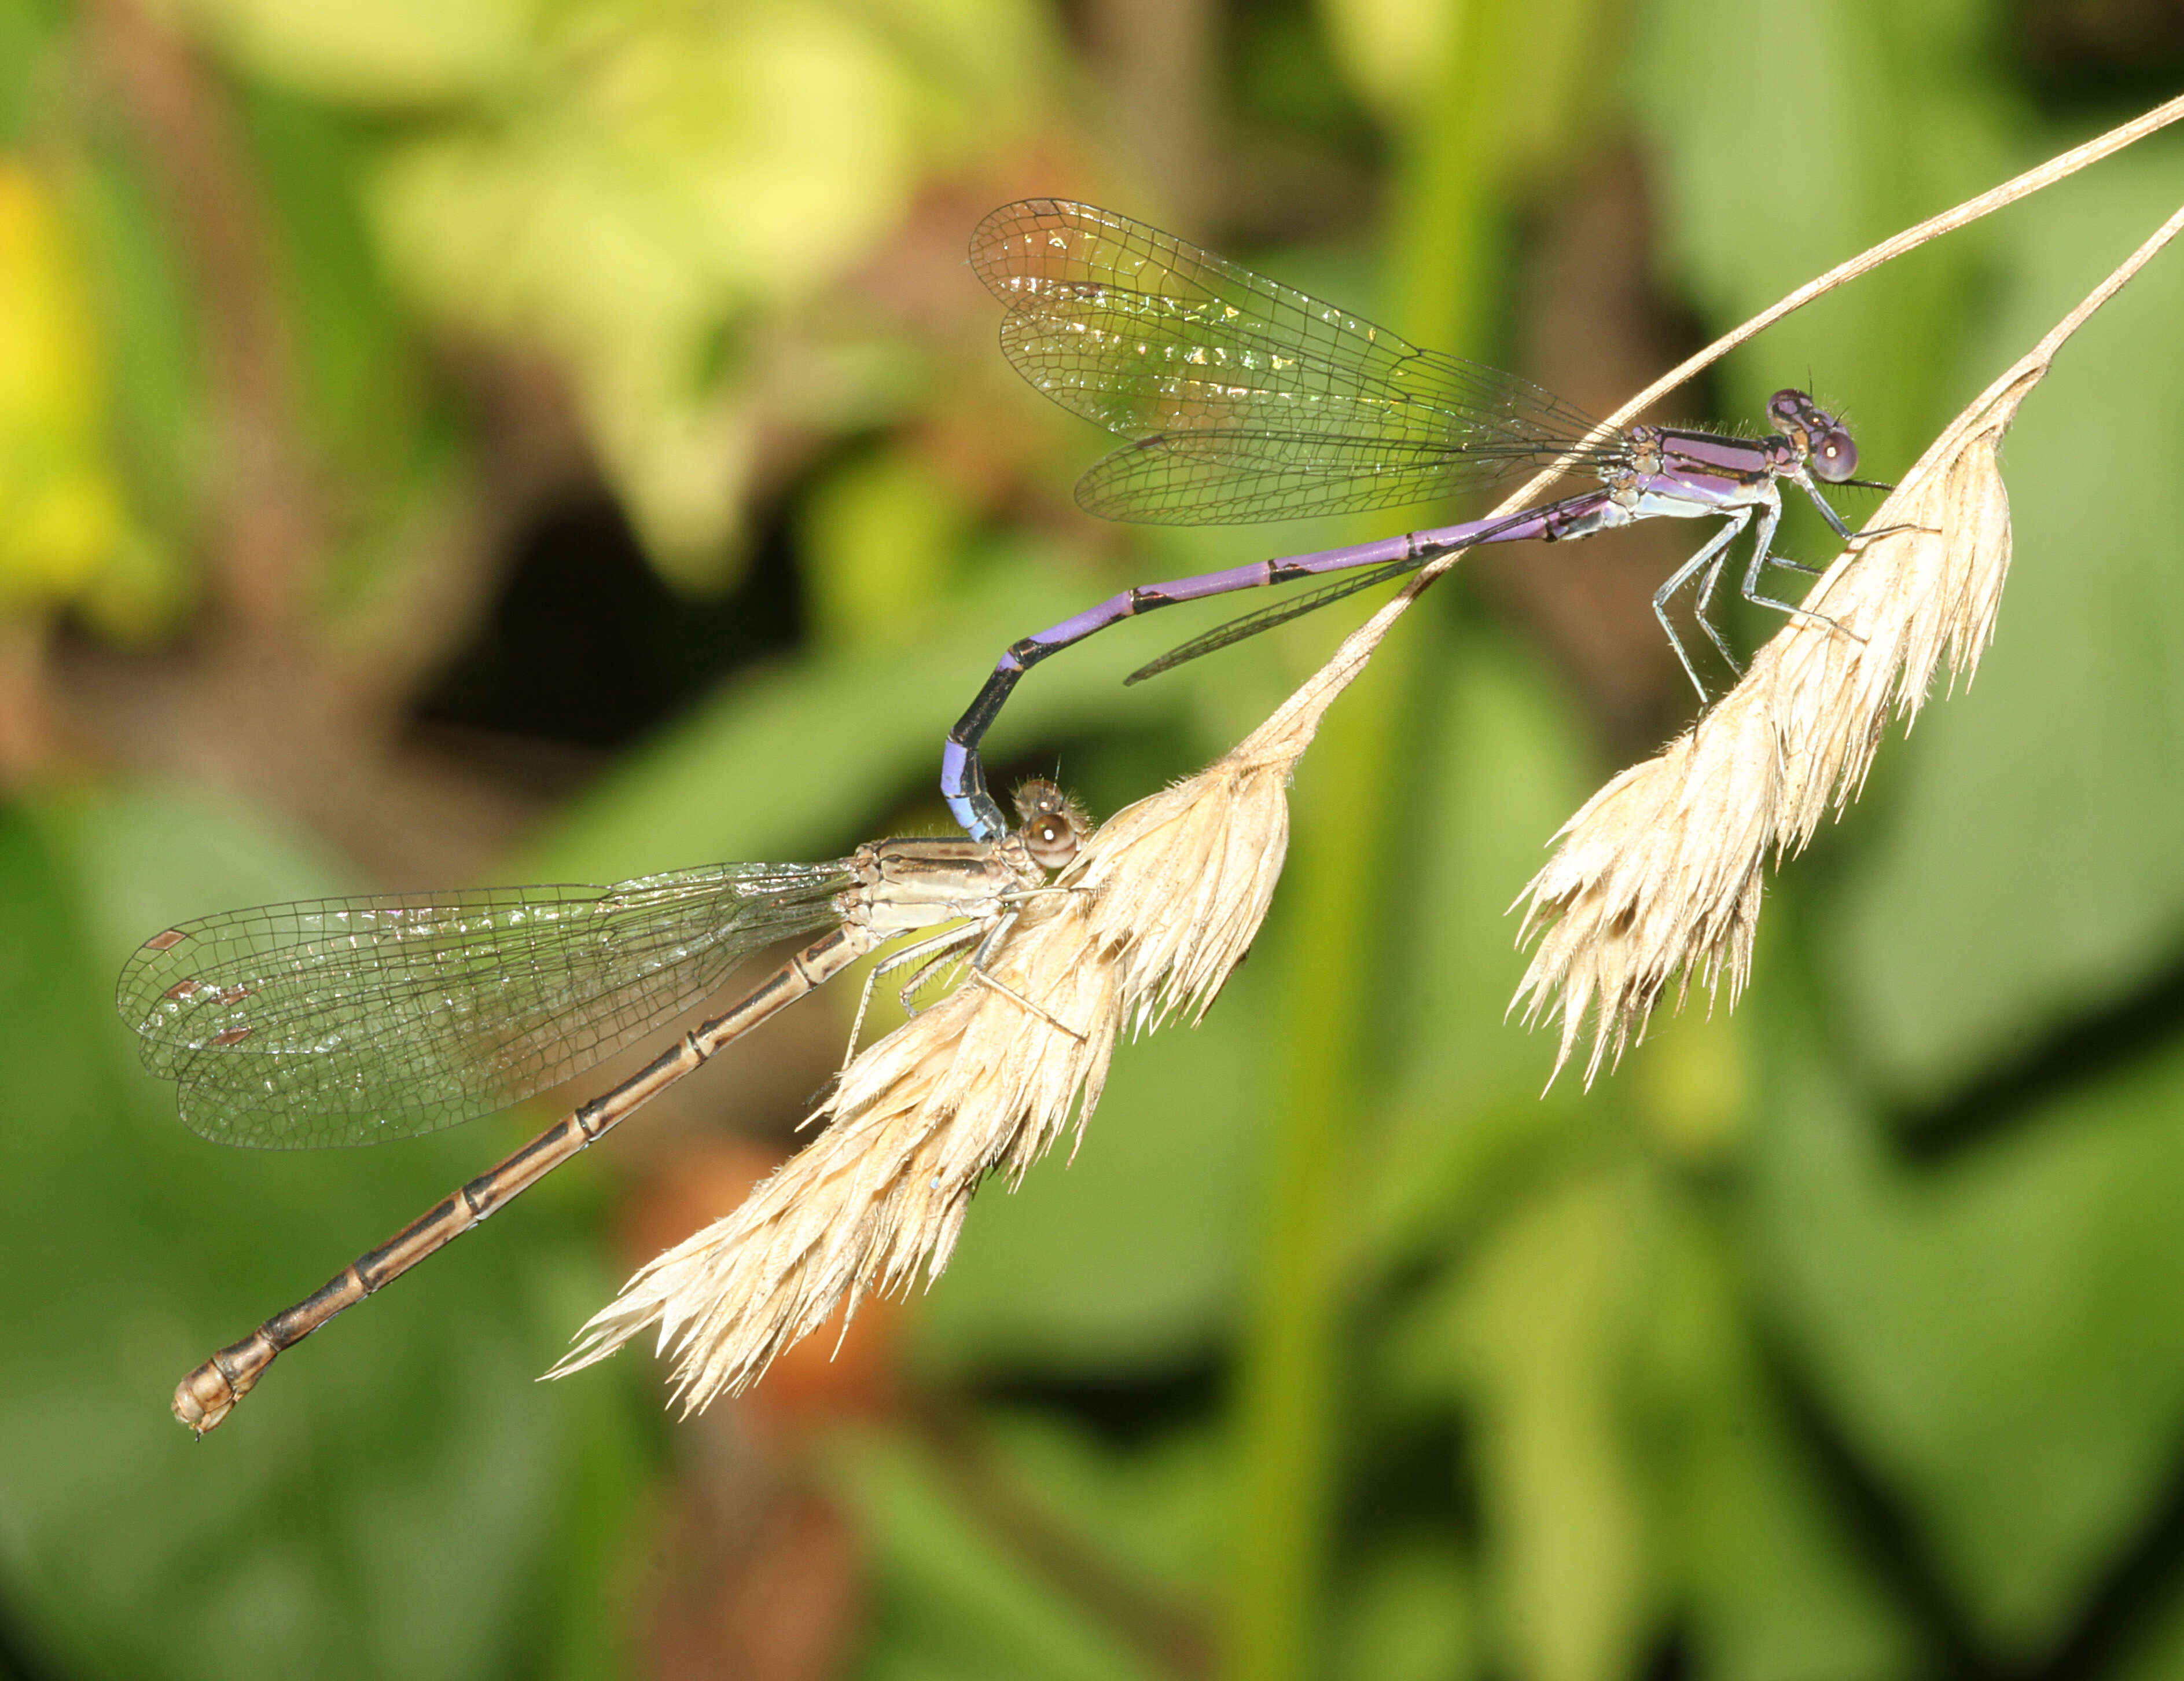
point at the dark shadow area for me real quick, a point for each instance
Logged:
(1170, 1633)
(2090, 57)
(2118, 1609)
(1408, 1472)
(587, 646)
(2095, 1047)
(15, 1662)
(1671, 1660)
(2127, 1600)
(1120, 1411)
(1882, 1529)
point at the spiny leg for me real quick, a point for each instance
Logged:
(1761, 558)
(930, 954)
(935, 948)
(1864, 538)
(1851, 540)
(1010, 992)
(992, 943)
(1836, 523)
(1771, 516)
(1703, 610)
(1828, 513)
(908, 992)
(1854, 540)
(1684, 574)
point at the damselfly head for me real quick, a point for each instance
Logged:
(1824, 442)
(1054, 825)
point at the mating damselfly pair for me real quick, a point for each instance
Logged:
(345, 1021)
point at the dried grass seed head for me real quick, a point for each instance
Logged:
(1156, 909)
(1660, 877)
(976, 1084)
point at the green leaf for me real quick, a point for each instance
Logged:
(1499, 766)
(646, 182)
(954, 1599)
(1777, 1586)
(385, 1501)
(1410, 1614)
(1152, 1511)
(395, 55)
(1992, 1332)
(1539, 1335)
(882, 537)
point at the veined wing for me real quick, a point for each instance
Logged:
(351, 1020)
(1213, 477)
(1152, 337)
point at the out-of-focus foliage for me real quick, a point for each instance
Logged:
(649, 195)
(427, 1552)
(62, 522)
(351, 357)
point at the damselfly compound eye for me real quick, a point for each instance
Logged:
(1053, 826)
(1050, 841)
(1834, 457)
(1792, 411)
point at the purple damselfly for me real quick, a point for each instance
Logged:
(1247, 401)
(349, 1021)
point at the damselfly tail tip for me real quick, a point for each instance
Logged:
(203, 1400)
(210, 1393)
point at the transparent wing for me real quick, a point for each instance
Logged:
(348, 1021)
(1152, 337)
(1241, 477)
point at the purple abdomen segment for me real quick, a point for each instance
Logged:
(962, 779)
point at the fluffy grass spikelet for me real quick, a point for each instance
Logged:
(1147, 922)
(1658, 878)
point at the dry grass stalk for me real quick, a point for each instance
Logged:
(1658, 878)
(1158, 908)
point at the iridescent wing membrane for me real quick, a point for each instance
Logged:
(348, 1021)
(1247, 399)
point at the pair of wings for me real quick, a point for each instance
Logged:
(348, 1021)
(1244, 399)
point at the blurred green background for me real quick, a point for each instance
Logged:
(521, 439)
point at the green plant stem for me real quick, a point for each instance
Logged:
(1289, 1400)
(1441, 244)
